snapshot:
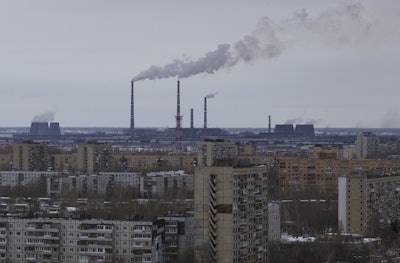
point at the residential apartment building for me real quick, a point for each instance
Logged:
(152, 161)
(91, 184)
(323, 174)
(158, 183)
(30, 156)
(84, 241)
(23, 178)
(231, 207)
(65, 162)
(368, 201)
(94, 157)
(367, 145)
(5, 161)
(274, 222)
(179, 232)
(150, 185)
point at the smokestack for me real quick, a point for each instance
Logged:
(178, 104)
(132, 128)
(191, 119)
(178, 119)
(205, 112)
(269, 124)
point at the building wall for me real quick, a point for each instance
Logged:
(342, 204)
(274, 222)
(65, 162)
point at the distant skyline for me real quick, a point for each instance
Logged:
(329, 63)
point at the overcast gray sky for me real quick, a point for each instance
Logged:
(331, 63)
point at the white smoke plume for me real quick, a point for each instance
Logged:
(44, 117)
(346, 24)
(300, 120)
(211, 95)
(294, 120)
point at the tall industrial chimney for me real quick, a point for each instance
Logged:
(178, 119)
(269, 123)
(205, 112)
(132, 128)
(191, 119)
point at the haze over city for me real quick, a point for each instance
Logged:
(332, 64)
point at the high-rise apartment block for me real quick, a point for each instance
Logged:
(30, 156)
(231, 206)
(368, 201)
(367, 145)
(94, 157)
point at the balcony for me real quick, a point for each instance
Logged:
(30, 258)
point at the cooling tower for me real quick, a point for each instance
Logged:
(284, 129)
(39, 129)
(54, 129)
(305, 130)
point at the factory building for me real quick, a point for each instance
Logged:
(231, 207)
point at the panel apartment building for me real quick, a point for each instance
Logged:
(83, 241)
(323, 174)
(94, 157)
(368, 201)
(30, 156)
(231, 206)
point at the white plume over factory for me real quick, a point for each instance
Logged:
(345, 24)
